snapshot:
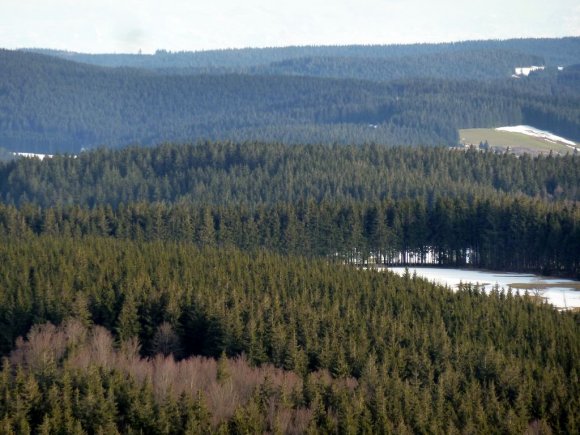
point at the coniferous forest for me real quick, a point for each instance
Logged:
(54, 102)
(182, 289)
(226, 285)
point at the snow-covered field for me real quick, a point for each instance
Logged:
(531, 131)
(557, 291)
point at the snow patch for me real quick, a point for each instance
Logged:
(33, 155)
(531, 131)
(559, 292)
(526, 70)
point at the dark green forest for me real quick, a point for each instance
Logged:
(215, 288)
(408, 95)
(488, 210)
(200, 257)
(509, 234)
(250, 173)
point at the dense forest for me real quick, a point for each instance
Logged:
(355, 95)
(208, 288)
(258, 173)
(467, 207)
(362, 351)
(509, 234)
(200, 258)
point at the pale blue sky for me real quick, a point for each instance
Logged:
(131, 25)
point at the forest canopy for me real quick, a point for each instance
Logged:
(363, 350)
(198, 255)
(407, 95)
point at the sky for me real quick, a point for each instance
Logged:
(128, 26)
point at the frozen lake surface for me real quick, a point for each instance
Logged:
(558, 291)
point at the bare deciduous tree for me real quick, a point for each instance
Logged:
(166, 341)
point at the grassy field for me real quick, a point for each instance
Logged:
(518, 142)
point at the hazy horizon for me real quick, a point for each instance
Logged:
(130, 26)
(287, 46)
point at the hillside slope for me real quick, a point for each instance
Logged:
(551, 52)
(50, 105)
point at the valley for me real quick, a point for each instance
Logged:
(290, 240)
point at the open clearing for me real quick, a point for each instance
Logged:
(562, 293)
(519, 143)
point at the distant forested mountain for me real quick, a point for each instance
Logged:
(50, 105)
(475, 64)
(560, 52)
(209, 287)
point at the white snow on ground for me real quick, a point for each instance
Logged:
(559, 292)
(32, 155)
(531, 131)
(526, 70)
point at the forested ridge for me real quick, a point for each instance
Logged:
(215, 286)
(256, 173)
(50, 105)
(552, 52)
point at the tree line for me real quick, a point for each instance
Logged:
(501, 234)
(542, 51)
